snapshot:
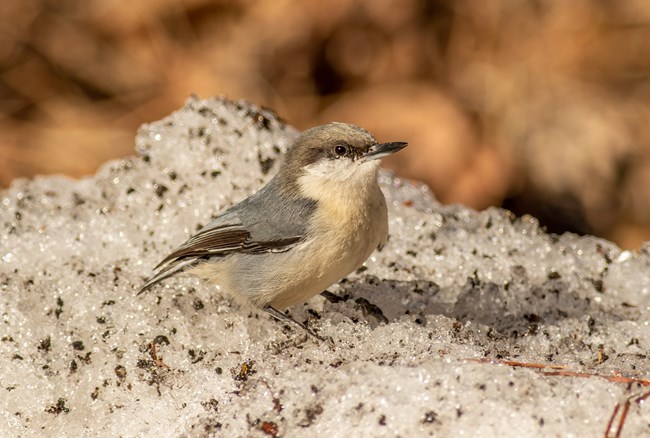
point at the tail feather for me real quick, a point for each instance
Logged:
(171, 269)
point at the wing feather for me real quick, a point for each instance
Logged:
(209, 241)
(212, 242)
(254, 226)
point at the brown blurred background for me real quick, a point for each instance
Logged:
(540, 106)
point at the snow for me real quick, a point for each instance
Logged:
(452, 288)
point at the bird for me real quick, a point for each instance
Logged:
(317, 220)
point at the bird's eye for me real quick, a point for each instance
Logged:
(340, 150)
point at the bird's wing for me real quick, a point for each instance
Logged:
(225, 239)
(256, 225)
(219, 239)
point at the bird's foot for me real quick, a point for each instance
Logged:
(285, 318)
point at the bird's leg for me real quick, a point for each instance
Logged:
(284, 318)
(333, 298)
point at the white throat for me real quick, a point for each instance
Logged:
(337, 181)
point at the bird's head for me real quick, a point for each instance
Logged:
(336, 156)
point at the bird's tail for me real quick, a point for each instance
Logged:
(170, 269)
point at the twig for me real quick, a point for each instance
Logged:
(563, 373)
(154, 356)
(513, 363)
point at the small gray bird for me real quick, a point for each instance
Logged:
(316, 221)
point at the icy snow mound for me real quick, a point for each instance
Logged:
(82, 355)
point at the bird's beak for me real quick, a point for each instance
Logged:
(383, 150)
